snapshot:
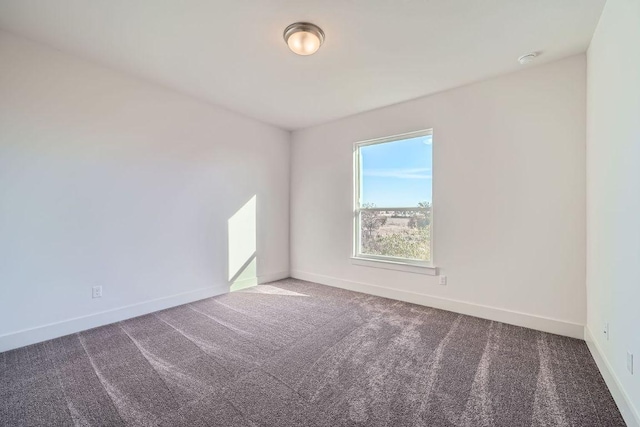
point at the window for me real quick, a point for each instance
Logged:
(392, 215)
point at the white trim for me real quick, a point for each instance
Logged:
(399, 266)
(82, 323)
(77, 324)
(357, 189)
(392, 209)
(398, 137)
(630, 413)
(272, 277)
(545, 324)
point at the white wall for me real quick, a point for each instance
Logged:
(108, 180)
(508, 194)
(613, 194)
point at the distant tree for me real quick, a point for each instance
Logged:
(422, 218)
(370, 222)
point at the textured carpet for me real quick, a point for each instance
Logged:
(294, 353)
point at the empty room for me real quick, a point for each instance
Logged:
(320, 213)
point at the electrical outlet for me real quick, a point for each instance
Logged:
(96, 292)
(443, 280)
(630, 362)
(605, 330)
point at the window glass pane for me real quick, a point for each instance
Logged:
(405, 234)
(396, 174)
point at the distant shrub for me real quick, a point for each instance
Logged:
(413, 243)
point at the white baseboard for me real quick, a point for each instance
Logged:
(629, 412)
(545, 324)
(65, 327)
(272, 277)
(69, 326)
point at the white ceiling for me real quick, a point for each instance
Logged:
(377, 52)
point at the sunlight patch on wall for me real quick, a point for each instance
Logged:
(242, 231)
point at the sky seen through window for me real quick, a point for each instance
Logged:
(397, 174)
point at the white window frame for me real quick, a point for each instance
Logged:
(380, 261)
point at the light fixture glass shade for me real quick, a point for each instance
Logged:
(303, 38)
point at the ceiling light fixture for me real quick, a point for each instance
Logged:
(303, 38)
(529, 57)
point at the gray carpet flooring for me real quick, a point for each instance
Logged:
(294, 353)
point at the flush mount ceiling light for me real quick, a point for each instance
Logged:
(303, 38)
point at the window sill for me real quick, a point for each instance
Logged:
(393, 265)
